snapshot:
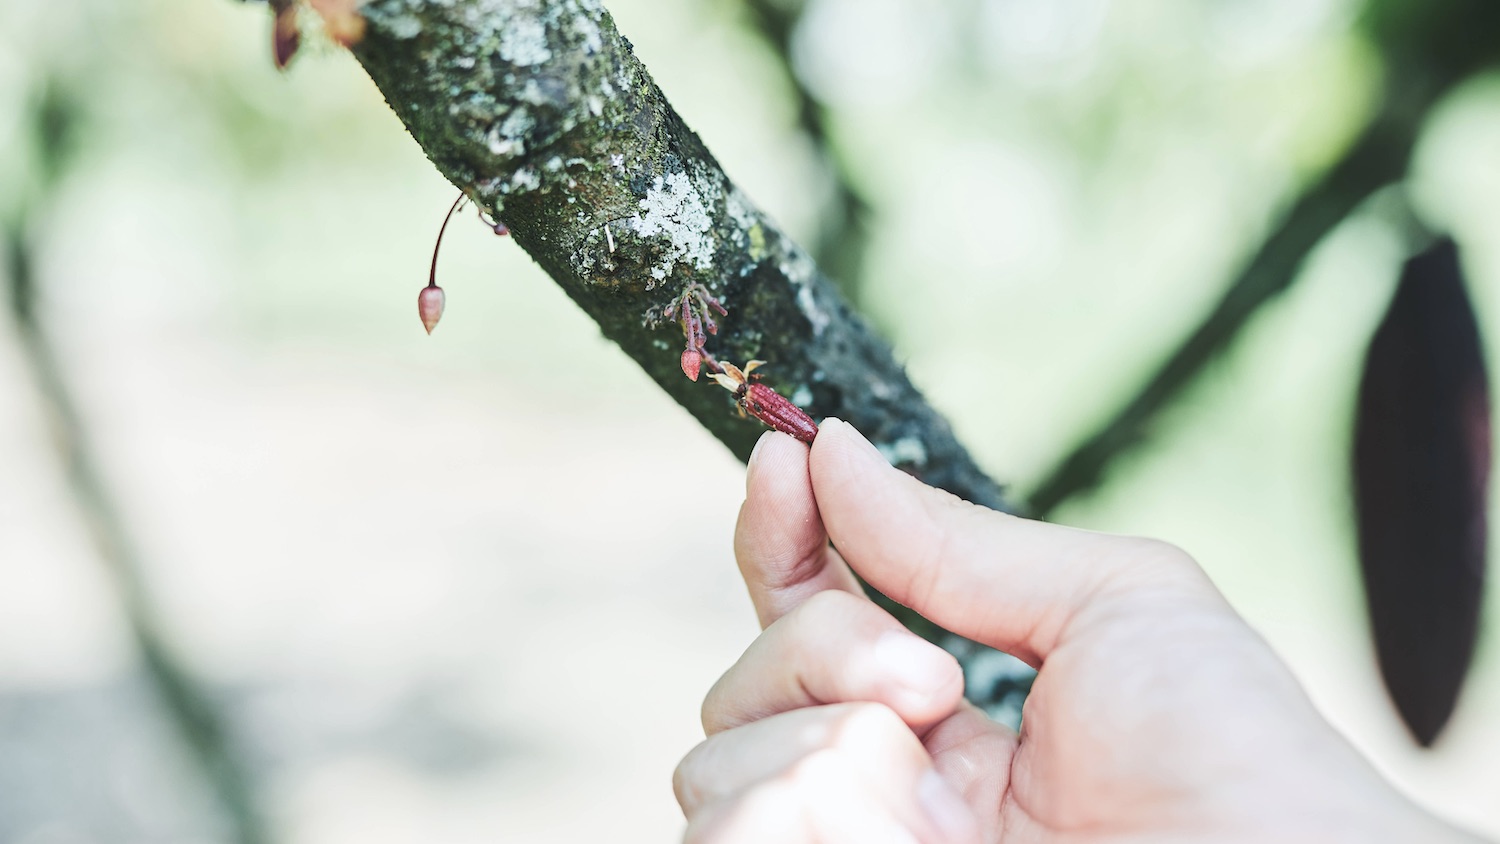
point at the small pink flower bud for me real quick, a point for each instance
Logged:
(692, 361)
(285, 37)
(430, 306)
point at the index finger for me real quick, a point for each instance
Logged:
(779, 541)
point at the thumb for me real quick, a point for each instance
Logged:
(1014, 584)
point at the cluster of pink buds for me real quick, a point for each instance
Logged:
(431, 300)
(764, 403)
(693, 310)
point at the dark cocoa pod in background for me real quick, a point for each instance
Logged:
(1421, 488)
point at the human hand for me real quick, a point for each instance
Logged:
(1157, 713)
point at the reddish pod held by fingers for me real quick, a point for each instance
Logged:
(764, 403)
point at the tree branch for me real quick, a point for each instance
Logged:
(1378, 159)
(542, 114)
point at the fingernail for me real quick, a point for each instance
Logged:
(750, 463)
(920, 667)
(863, 449)
(947, 811)
(758, 443)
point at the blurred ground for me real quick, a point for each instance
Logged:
(430, 617)
(472, 587)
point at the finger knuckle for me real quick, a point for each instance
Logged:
(820, 766)
(949, 519)
(826, 625)
(825, 610)
(867, 724)
(685, 779)
(793, 568)
(832, 602)
(713, 714)
(1146, 555)
(768, 811)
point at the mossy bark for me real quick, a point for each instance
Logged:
(541, 113)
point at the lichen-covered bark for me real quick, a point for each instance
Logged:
(539, 110)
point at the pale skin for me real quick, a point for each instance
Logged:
(1158, 713)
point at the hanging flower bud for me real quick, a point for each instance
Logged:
(430, 304)
(431, 300)
(285, 36)
(692, 363)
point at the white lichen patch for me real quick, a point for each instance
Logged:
(523, 42)
(525, 179)
(816, 316)
(740, 209)
(674, 209)
(404, 26)
(509, 137)
(799, 269)
(907, 450)
(532, 93)
(798, 266)
(593, 39)
(749, 234)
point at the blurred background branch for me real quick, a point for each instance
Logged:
(54, 126)
(1429, 49)
(843, 230)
